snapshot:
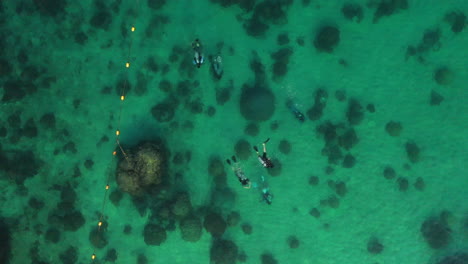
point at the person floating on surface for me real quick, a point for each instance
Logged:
(239, 173)
(217, 63)
(266, 194)
(264, 160)
(198, 58)
(292, 107)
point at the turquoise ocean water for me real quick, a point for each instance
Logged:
(375, 173)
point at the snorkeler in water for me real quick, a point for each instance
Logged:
(217, 63)
(239, 173)
(264, 160)
(266, 194)
(198, 58)
(292, 107)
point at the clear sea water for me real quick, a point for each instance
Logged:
(62, 67)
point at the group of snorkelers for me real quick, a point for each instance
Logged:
(217, 67)
(199, 59)
(265, 161)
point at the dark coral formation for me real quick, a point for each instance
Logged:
(388, 8)
(348, 139)
(233, 218)
(258, 69)
(98, 239)
(245, 5)
(52, 235)
(329, 131)
(353, 12)
(52, 8)
(456, 258)
(293, 242)
(5, 242)
(111, 255)
(69, 256)
(165, 110)
(215, 224)
(29, 129)
(282, 39)
(320, 102)
(216, 170)
(327, 39)
(15, 90)
(143, 167)
(210, 111)
(403, 184)
(223, 252)
(156, 4)
(419, 184)
(436, 231)
(355, 112)
(5, 68)
(102, 19)
(338, 138)
(47, 121)
(30, 165)
(280, 64)
(181, 206)
(66, 215)
(340, 188)
(243, 149)
(257, 103)
(267, 258)
(154, 235)
(314, 180)
(314, 212)
(412, 151)
(374, 246)
(247, 228)
(81, 38)
(435, 98)
(223, 94)
(155, 28)
(266, 14)
(348, 161)
(141, 87)
(191, 228)
(389, 173)
(370, 108)
(393, 128)
(430, 41)
(251, 129)
(333, 201)
(456, 20)
(443, 76)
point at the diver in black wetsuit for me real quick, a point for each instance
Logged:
(264, 160)
(198, 57)
(239, 173)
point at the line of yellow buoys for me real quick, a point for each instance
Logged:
(118, 146)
